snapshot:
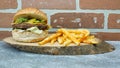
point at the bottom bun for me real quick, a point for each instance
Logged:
(27, 36)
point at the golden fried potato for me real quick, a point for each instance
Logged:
(85, 32)
(67, 42)
(91, 39)
(60, 39)
(53, 40)
(70, 36)
(46, 40)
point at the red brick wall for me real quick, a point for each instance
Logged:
(99, 16)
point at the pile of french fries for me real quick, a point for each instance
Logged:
(68, 36)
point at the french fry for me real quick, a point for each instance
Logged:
(79, 31)
(91, 39)
(70, 37)
(67, 42)
(64, 36)
(59, 30)
(46, 40)
(88, 39)
(60, 40)
(77, 35)
(95, 41)
(53, 40)
(74, 31)
(85, 32)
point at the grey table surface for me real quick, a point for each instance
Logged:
(13, 58)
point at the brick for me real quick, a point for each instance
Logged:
(77, 20)
(6, 19)
(100, 4)
(50, 4)
(114, 21)
(109, 36)
(8, 4)
(4, 34)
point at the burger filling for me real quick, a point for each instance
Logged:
(30, 24)
(27, 25)
(29, 20)
(32, 29)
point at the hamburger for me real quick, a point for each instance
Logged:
(29, 25)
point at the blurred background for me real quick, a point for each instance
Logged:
(101, 17)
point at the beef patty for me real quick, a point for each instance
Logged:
(24, 26)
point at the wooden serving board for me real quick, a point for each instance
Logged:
(57, 49)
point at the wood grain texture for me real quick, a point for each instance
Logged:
(57, 49)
